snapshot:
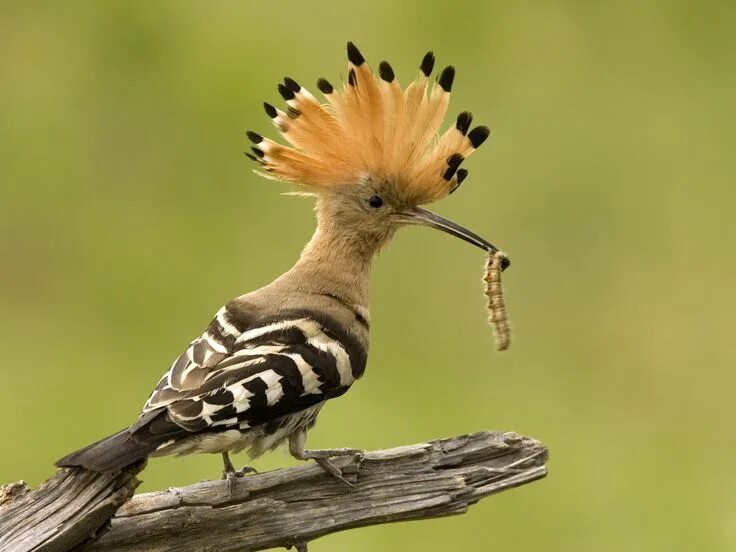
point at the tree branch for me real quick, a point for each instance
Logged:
(67, 509)
(287, 506)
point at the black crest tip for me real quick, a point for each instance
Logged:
(251, 157)
(459, 177)
(270, 110)
(478, 135)
(292, 85)
(352, 79)
(324, 86)
(453, 162)
(258, 152)
(354, 55)
(449, 173)
(285, 92)
(386, 71)
(427, 63)
(446, 78)
(463, 122)
(254, 137)
(455, 159)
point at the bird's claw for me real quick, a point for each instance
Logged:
(228, 474)
(232, 475)
(322, 458)
(333, 470)
(245, 470)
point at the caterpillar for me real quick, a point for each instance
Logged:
(496, 304)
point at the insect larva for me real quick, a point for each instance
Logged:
(496, 305)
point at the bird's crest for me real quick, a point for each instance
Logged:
(372, 128)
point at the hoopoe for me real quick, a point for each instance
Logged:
(270, 359)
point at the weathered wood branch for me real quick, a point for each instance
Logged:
(66, 510)
(279, 508)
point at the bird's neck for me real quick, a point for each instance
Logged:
(335, 263)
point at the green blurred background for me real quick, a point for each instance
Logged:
(129, 215)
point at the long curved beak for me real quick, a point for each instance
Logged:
(423, 217)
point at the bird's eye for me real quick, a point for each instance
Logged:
(375, 201)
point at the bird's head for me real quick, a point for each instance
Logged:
(373, 155)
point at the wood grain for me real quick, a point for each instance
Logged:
(275, 509)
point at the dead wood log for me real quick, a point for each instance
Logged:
(284, 507)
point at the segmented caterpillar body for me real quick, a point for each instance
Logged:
(496, 304)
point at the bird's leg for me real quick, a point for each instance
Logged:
(230, 473)
(297, 441)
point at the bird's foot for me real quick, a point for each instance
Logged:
(322, 457)
(227, 474)
(298, 546)
(232, 475)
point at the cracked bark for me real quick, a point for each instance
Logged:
(285, 507)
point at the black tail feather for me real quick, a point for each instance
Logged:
(109, 454)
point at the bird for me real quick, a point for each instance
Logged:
(269, 360)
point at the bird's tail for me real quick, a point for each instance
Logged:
(109, 454)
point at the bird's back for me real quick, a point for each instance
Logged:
(263, 360)
(261, 370)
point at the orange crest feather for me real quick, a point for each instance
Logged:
(370, 128)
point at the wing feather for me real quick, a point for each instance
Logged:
(243, 376)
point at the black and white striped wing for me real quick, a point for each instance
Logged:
(192, 368)
(235, 377)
